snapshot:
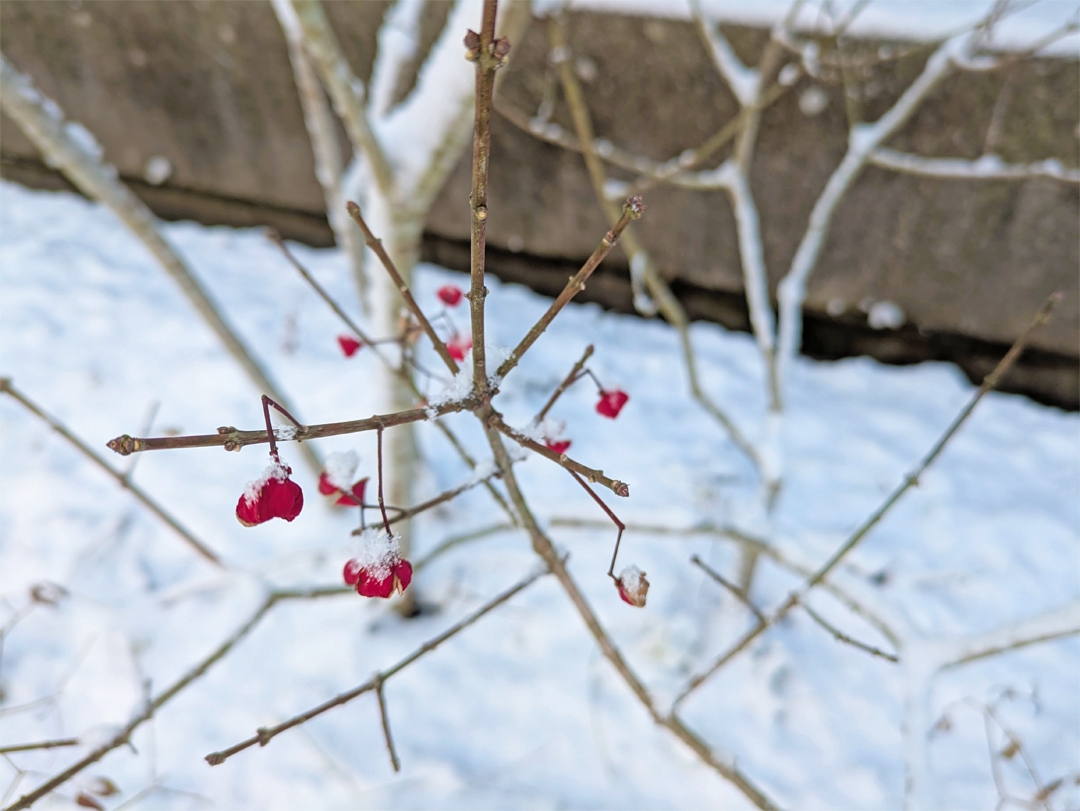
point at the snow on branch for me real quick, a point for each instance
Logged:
(862, 141)
(398, 42)
(987, 167)
(325, 148)
(744, 82)
(345, 89)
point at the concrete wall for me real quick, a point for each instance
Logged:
(207, 85)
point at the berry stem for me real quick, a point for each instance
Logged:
(611, 515)
(266, 404)
(571, 379)
(382, 504)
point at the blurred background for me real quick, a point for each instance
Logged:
(195, 103)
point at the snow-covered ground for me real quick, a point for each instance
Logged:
(520, 710)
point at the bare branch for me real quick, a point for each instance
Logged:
(233, 440)
(376, 245)
(123, 737)
(594, 476)
(325, 148)
(840, 636)
(385, 717)
(26, 747)
(568, 381)
(631, 211)
(1041, 317)
(264, 735)
(740, 595)
(123, 480)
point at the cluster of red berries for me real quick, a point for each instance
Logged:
(379, 570)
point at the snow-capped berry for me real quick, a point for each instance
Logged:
(450, 295)
(611, 402)
(458, 345)
(349, 345)
(328, 488)
(273, 495)
(379, 570)
(633, 587)
(560, 446)
(325, 486)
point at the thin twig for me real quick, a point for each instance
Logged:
(991, 380)
(568, 381)
(740, 595)
(384, 715)
(546, 550)
(593, 476)
(233, 440)
(275, 237)
(26, 747)
(264, 735)
(122, 479)
(377, 247)
(610, 514)
(840, 636)
(123, 737)
(382, 504)
(631, 211)
(987, 167)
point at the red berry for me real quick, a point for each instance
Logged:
(381, 582)
(611, 403)
(450, 295)
(633, 586)
(357, 497)
(274, 495)
(325, 486)
(349, 345)
(560, 446)
(458, 345)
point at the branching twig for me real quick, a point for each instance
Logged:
(122, 479)
(264, 735)
(233, 440)
(911, 479)
(631, 211)
(123, 736)
(568, 381)
(740, 595)
(275, 237)
(840, 636)
(26, 747)
(594, 476)
(376, 245)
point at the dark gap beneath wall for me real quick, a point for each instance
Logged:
(1046, 377)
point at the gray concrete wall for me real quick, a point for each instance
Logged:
(208, 86)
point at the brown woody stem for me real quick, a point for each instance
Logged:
(594, 476)
(377, 246)
(382, 504)
(631, 211)
(568, 381)
(610, 514)
(233, 440)
(264, 735)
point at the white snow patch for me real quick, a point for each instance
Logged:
(886, 315)
(377, 552)
(340, 468)
(253, 488)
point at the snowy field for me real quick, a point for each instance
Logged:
(519, 710)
